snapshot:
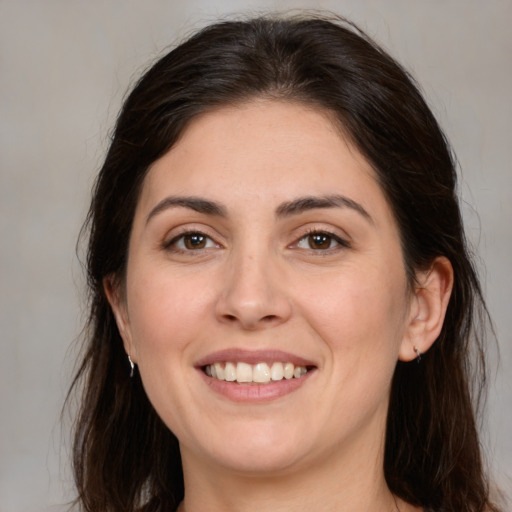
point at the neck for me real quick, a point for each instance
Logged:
(353, 483)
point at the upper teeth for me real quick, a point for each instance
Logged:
(260, 373)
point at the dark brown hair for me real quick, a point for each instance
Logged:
(125, 458)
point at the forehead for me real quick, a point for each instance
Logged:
(262, 151)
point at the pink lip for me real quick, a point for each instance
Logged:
(254, 393)
(235, 355)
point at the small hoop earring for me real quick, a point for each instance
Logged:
(418, 354)
(132, 366)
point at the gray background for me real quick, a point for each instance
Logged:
(64, 68)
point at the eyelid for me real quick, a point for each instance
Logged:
(342, 241)
(173, 236)
(169, 242)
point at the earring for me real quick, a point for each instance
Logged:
(418, 354)
(132, 366)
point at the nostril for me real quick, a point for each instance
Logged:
(265, 319)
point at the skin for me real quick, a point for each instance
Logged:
(259, 282)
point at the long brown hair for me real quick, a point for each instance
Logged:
(125, 458)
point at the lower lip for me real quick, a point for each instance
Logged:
(255, 392)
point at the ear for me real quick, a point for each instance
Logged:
(427, 309)
(115, 296)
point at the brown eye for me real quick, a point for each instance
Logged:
(320, 241)
(195, 241)
(191, 241)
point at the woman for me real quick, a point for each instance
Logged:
(282, 302)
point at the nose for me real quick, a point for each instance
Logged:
(253, 295)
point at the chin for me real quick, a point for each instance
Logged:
(254, 449)
(260, 461)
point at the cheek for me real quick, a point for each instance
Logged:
(165, 319)
(164, 316)
(361, 314)
(360, 322)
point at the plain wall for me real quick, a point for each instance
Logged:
(64, 68)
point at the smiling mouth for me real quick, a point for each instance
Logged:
(259, 373)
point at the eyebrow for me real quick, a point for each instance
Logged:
(295, 207)
(197, 204)
(303, 204)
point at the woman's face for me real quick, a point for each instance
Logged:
(263, 246)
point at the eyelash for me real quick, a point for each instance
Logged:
(172, 245)
(341, 243)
